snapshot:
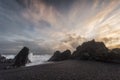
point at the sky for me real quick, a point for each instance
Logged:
(49, 25)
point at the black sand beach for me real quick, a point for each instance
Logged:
(65, 70)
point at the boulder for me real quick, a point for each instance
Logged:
(2, 59)
(114, 54)
(10, 61)
(58, 56)
(21, 58)
(91, 50)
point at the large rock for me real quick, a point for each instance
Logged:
(58, 56)
(91, 50)
(114, 54)
(2, 59)
(21, 58)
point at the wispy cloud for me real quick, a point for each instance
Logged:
(60, 24)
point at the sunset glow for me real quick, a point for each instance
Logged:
(60, 25)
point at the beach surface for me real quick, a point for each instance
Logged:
(65, 70)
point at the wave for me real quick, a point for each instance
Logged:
(35, 59)
(38, 59)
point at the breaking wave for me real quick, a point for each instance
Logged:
(35, 59)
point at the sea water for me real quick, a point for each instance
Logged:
(35, 59)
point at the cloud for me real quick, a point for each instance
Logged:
(70, 41)
(34, 46)
(60, 5)
(98, 20)
(61, 24)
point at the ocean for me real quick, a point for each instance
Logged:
(35, 59)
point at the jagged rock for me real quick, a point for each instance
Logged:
(2, 59)
(91, 50)
(58, 56)
(21, 58)
(115, 54)
(55, 56)
(5, 60)
(10, 60)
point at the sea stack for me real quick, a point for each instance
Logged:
(21, 58)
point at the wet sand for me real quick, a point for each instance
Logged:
(65, 70)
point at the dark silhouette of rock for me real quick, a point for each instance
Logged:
(91, 50)
(55, 56)
(21, 58)
(2, 59)
(10, 60)
(114, 54)
(5, 60)
(58, 56)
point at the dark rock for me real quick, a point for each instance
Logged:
(10, 61)
(8, 67)
(55, 56)
(6, 61)
(21, 58)
(2, 59)
(91, 50)
(66, 55)
(115, 54)
(58, 56)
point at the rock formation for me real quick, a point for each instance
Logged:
(114, 54)
(58, 56)
(91, 50)
(21, 58)
(2, 59)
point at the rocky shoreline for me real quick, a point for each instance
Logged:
(90, 50)
(90, 61)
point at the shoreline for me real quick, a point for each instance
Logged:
(65, 70)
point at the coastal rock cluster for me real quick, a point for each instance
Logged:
(19, 60)
(2, 59)
(59, 56)
(90, 50)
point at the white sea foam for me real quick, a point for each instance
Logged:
(9, 56)
(35, 59)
